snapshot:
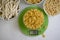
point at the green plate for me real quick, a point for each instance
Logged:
(27, 31)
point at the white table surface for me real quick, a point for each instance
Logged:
(9, 29)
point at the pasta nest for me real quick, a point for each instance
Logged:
(9, 9)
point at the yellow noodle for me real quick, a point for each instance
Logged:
(33, 19)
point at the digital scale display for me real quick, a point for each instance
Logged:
(33, 32)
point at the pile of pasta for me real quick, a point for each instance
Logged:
(52, 7)
(33, 1)
(9, 8)
(33, 19)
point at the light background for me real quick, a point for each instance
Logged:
(9, 29)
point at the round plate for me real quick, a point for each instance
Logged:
(25, 30)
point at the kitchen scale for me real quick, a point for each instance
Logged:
(27, 31)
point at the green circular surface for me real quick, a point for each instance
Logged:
(23, 27)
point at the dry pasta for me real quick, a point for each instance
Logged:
(52, 7)
(33, 19)
(33, 1)
(9, 8)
